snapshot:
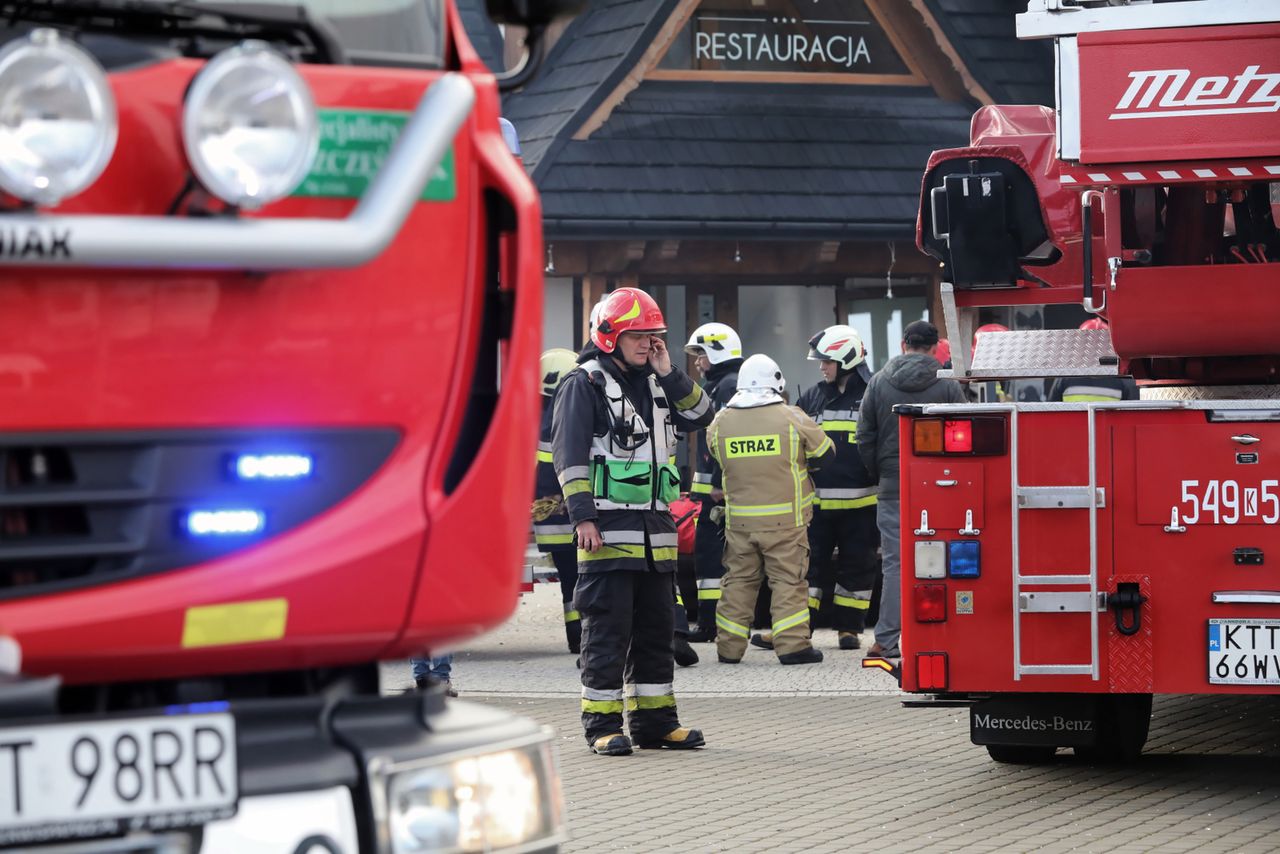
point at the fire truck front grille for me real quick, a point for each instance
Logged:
(92, 508)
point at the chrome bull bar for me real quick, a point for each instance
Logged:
(76, 240)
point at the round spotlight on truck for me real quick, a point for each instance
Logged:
(57, 118)
(250, 126)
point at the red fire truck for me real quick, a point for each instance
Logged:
(270, 316)
(1063, 562)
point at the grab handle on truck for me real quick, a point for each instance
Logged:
(1086, 222)
(268, 243)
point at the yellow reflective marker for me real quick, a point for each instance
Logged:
(753, 446)
(237, 622)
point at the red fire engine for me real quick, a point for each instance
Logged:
(1063, 562)
(270, 320)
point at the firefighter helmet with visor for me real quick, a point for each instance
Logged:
(626, 310)
(717, 341)
(554, 366)
(840, 344)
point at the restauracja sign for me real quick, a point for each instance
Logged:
(841, 50)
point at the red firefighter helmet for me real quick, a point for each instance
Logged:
(984, 329)
(1094, 323)
(943, 353)
(626, 310)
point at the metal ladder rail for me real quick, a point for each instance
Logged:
(1092, 669)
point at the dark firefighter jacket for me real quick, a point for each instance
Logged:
(909, 378)
(551, 527)
(1087, 389)
(844, 484)
(586, 435)
(721, 384)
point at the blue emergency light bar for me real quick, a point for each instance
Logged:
(236, 522)
(273, 466)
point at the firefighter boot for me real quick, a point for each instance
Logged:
(612, 745)
(680, 738)
(808, 655)
(573, 634)
(685, 654)
(706, 632)
(849, 640)
(764, 640)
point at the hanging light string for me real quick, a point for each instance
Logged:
(888, 274)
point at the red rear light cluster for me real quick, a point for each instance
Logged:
(930, 601)
(931, 671)
(979, 436)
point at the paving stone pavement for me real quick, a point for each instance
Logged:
(825, 758)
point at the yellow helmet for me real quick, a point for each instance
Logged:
(554, 366)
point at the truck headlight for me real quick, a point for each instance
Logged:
(505, 800)
(249, 126)
(57, 118)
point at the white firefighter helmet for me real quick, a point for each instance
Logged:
(554, 366)
(717, 340)
(760, 382)
(595, 316)
(840, 344)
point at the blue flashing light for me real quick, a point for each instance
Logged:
(205, 708)
(273, 466)
(224, 523)
(963, 559)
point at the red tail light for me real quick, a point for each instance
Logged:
(931, 671)
(980, 436)
(957, 437)
(930, 602)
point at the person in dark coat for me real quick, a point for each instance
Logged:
(613, 444)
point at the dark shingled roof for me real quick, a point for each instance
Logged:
(584, 67)
(485, 36)
(681, 159)
(984, 33)
(684, 159)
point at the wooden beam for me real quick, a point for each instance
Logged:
(941, 85)
(593, 287)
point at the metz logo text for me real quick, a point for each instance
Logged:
(1174, 92)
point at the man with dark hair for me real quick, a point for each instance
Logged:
(909, 378)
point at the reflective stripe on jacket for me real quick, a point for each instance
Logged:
(845, 483)
(594, 405)
(721, 384)
(553, 532)
(765, 453)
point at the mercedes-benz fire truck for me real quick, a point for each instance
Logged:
(1063, 562)
(269, 322)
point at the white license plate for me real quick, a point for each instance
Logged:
(1244, 652)
(72, 780)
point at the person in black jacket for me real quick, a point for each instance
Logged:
(552, 530)
(842, 536)
(718, 351)
(909, 378)
(613, 441)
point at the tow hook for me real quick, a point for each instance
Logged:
(1127, 598)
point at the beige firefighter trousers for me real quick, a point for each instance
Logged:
(781, 555)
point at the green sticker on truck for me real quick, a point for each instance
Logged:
(353, 146)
